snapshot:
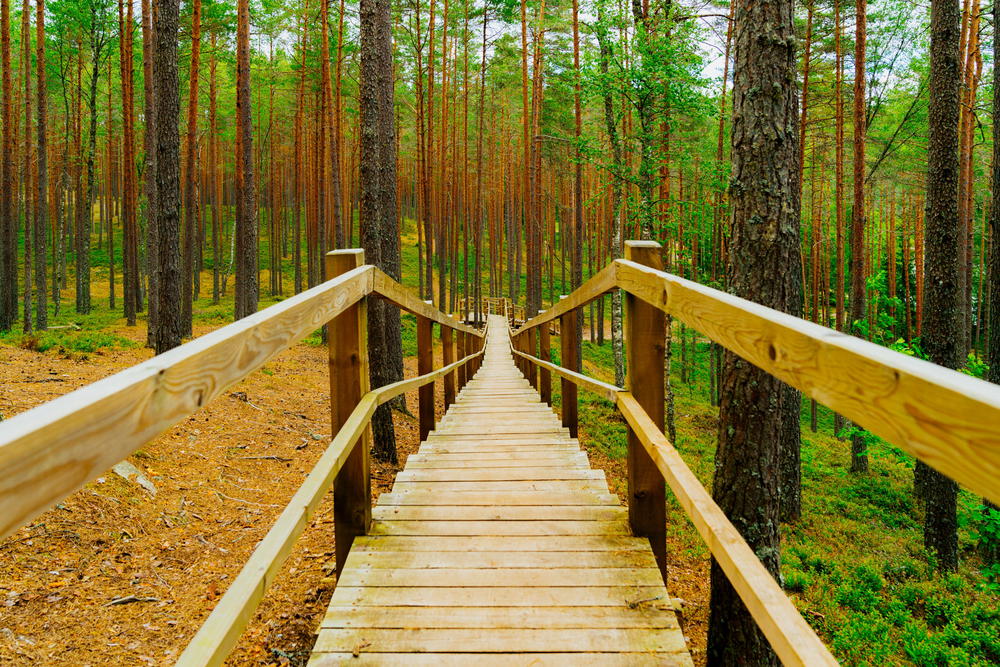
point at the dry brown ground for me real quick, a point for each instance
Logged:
(222, 477)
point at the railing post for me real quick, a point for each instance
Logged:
(530, 343)
(425, 364)
(567, 329)
(448, 357)
(545, 353)
(347, 342)
(645, 335)
(462, 352)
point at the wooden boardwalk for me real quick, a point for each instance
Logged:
(498, 544)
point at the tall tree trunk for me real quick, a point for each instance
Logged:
(8, 228)
(765, 243)
(378, 206)
(41, 208)
(151, 186)
(26, 164)
(169, 327)
(191, 199)
(859, 455)
(943, 243)
(214, 173)
(246, 204)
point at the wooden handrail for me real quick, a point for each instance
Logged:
(50, 451)
(596, 286)
(224, 626)
(602, 389)
(948, 420)
(792, 639)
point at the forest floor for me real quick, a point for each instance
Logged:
(145, 569)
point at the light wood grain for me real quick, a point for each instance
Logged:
(790, 636)
(949, 420)
(50, 451)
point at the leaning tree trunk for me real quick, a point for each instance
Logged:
(378, 206)
(942, 314)
(168, 181)
(764, 192)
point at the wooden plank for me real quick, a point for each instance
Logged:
(52, 450)
(497, 474)
(497, 617)
(498, 457)
(495, 543)
(788, 633)
(480, 513)
(489, 498)
(949, 420)
(483, 528)
(368, 558)
(498, 640)
(565, 596)
(575, 460)
(617, 659)
(475, 578)
(527, 485)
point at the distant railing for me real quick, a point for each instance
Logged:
(948, 420)
(52, 450)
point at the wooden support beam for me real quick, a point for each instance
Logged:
(645, 336)
(447, 357)
(545, 353)
(347, 343)
(531, 345)
(460, 339)
(425, 364)
(567, 326)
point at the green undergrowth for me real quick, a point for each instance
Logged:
(854, 564)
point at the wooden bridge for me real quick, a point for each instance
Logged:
(498, 538)
(498, 543)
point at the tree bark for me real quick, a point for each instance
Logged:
(41, 208)
(191, 200)
(764, 192)
(168, 328)
(246, 204)
(378, 206)
(942, 316)
(8, 228)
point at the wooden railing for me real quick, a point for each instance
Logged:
(948, 420)
(50, 451)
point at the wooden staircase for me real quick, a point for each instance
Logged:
(498, 544)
